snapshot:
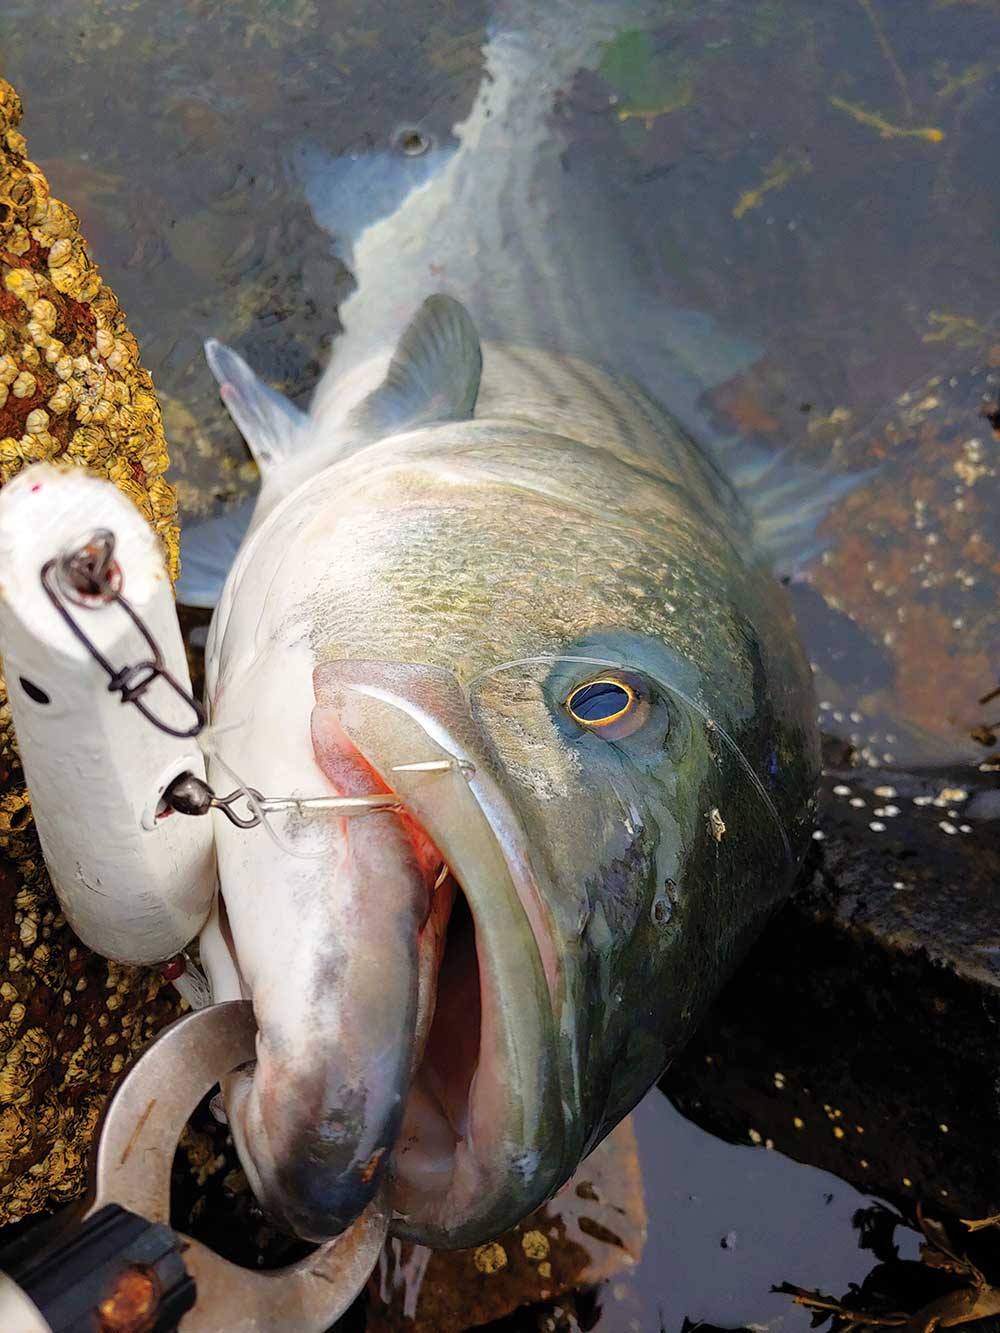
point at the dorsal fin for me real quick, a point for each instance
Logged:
(433, 376)
(268, 422)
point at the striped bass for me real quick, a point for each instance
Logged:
(492, 573)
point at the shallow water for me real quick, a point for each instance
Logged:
(814, 178)
(727, 1224)
(818, 179)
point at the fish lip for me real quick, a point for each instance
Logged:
(516, 1147)
(501, 1191)
(316, 1119)
(316, 1187)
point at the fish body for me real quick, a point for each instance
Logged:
(500, 580)
(443, 592)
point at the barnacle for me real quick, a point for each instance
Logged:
(71, 388)
(60, 253)
(20, 241)
(44, 314)
(61, 401)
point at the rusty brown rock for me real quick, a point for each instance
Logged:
(594, 1229)
(916, 559)
(907, 650)
(71, 390)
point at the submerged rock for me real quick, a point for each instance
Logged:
(861, 1033)
(71, 390)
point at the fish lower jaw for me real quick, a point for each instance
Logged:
(447, 1165)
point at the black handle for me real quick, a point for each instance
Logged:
(116, 1273)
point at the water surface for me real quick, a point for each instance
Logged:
(817, 179)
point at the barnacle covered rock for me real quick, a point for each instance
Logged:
(71, 390)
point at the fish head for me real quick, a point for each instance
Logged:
(461, 996)
(646, 828)
(383, 955)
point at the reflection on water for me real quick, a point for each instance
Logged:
(730, 1228)
(816, 179)
(727, 1225)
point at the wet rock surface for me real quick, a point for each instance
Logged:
(899, 613)
(71, 390)
(860, 1035)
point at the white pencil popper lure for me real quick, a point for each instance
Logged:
(101, 701)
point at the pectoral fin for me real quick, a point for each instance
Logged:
(270, 424)
(208, 550)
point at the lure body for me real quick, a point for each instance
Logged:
(135, 884)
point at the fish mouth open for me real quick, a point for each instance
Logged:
(433, 1065)
(434, 1151)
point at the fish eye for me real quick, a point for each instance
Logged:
(600, 702)
(612, 706)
